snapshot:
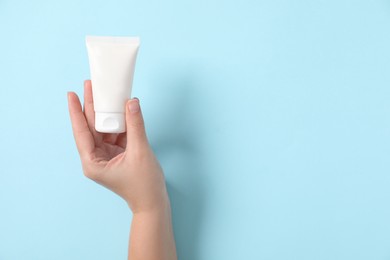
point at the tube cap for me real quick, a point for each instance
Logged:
(110, 122)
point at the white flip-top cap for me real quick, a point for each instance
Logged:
(110, 122)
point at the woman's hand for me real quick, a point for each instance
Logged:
(124, 163)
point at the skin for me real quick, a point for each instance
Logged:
(126, 164)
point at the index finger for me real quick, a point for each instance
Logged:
(82, 135)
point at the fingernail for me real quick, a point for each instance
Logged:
(133, 105)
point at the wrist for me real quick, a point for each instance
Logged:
(151, 207)
(162, 211)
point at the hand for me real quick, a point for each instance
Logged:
(124, 163)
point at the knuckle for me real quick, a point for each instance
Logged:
(137, 124)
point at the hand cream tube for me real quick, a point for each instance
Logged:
(111, 62)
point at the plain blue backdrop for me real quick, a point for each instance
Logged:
(271, 120)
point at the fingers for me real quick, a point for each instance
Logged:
(110, 138)
(89, 110)
(82, 135)
(136, 136)
(122, 140)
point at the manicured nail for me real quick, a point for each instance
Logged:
(133, 105)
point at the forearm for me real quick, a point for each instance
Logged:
(151, 236)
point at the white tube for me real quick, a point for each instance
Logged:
(112, 63)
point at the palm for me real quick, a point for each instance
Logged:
(108, 146)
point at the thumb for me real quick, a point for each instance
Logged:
(135, 128)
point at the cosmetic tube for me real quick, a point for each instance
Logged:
(112, 63)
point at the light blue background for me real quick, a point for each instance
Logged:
(270, 118)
